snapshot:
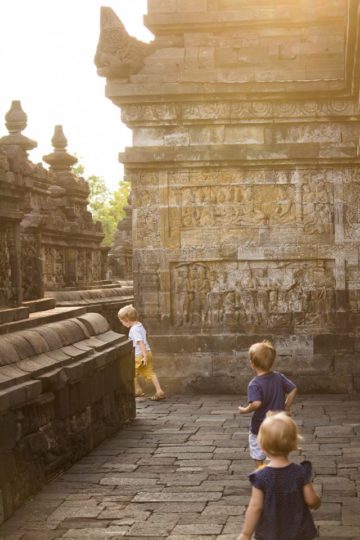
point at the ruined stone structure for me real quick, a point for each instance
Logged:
(48, 238)
(245, 185)
(66, 379)
(13, 205)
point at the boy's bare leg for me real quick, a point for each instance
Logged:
(156, 383)
(138, 390)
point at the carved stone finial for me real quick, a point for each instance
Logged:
(60, 160)
(16, 122)
(59, 141)
(118, 54)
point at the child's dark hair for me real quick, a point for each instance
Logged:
(262, 355)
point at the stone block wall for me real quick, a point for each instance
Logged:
(245, 186)
(64, 387)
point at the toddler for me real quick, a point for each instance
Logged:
(282, 491)
(143, 357)
(268, 391)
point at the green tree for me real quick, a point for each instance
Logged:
(106, 206)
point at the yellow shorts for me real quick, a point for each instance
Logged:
(146, 372)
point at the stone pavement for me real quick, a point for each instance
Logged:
(179, 472)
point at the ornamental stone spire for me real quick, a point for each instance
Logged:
(16, 122)
(60, 160)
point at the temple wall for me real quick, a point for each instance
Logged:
(245, 187)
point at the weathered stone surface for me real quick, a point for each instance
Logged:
(112, 493)
(64, 388)
(245, 199)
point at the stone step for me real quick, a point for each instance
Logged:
(41, 304)
(13, 314)
(42, 317)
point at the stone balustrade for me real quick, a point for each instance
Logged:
(64, 387)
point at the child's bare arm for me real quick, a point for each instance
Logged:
(311, 498)
(144, 352)
(289, 400)
(253, 406)
(252, 514)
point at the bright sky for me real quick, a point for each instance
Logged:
(47, 49)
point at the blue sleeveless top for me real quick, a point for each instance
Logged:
(285, 515)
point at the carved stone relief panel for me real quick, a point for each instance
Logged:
(146, 227)
(7, 293)
(267, 109)
(244, 295)
(32, 278)
(48, 265)
(318, 207)
(238, 206)
(53, 266)
(96, 265)
(149, 113)
(353, 286)
(81, 265)
(352, 211)
(59, 266)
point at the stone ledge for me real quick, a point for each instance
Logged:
(92, 296)
(64, 387)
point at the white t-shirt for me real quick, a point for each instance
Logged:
(138, 333)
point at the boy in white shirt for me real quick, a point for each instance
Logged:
(143, 356)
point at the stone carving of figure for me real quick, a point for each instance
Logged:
(192, 284)
(245, 297)
(199, 288)
(206, 217)
(182, 295)
(215, 299)
(229, 307)
(118, 54)
(261, 286)
(6, 291)
(317, 215)
(187, 217)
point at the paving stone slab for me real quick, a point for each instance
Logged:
(131, 488)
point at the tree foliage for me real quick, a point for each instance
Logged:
(106, 206)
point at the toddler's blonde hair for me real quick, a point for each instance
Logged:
(128, 313)
(278, 434)
(262, 355)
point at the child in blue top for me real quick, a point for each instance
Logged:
(268, 391)
(282, 492)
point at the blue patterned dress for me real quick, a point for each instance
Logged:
(285, 515)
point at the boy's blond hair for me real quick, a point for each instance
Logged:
(278, 434)
(262, 355)
(128, 313)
